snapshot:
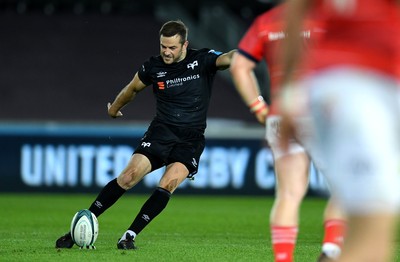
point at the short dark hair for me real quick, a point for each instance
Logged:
(172, 28)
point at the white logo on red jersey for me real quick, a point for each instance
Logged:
(273, 36)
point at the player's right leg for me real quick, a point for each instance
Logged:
(137, 168)
(174, 175)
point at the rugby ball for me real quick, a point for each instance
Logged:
(84, 228)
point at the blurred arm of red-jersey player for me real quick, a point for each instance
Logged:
(290, 55)
(242, 71)
(291, 49)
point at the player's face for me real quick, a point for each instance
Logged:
(171, 49)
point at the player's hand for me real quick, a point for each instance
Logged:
(260, 109)
(262, 116)
(113, 113)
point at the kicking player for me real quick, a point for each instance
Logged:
(181, 79)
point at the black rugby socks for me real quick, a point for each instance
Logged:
(153, 206)
(107, 197)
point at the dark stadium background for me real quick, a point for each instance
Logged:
(63, 60)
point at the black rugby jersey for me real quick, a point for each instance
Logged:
(182, 90)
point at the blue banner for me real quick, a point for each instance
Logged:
(80, 159)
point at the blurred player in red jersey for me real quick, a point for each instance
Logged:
(262, 41)
(350, 106)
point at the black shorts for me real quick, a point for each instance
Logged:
(165, 144)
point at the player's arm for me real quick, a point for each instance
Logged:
(242, 71)
(224, 61)
(127, 94)
(291, 52)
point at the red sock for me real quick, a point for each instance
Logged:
(334, 231)
(283, 242)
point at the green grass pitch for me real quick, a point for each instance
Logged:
(191, 228)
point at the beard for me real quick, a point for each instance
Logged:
(170, 59)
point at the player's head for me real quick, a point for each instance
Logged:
(173, 41)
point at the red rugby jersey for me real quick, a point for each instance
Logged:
(362, 33)
(263, 40)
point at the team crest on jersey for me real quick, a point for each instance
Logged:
(192, 65)
(146, 144)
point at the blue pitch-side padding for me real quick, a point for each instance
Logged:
(59, 157)
(77, 129)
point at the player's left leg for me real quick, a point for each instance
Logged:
(291, 186)
(334, 231)
(291, 172)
